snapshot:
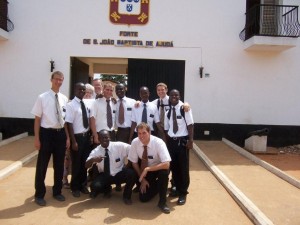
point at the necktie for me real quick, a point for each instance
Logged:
(58, 112)
(84, 115)
(144, 162)
(175, 124)
(144, 115)
(108, 114)
(162, 113)
(106, 163)
(121, 112)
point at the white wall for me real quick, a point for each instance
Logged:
(243, 87)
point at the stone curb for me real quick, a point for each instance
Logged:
(18, 164)
(293, 181)
(12, 139)
(251, 210)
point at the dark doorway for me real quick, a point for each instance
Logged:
(79, 73)
(150, 72)
(252, 18)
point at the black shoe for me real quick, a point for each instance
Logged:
(136, 189)
(76, 194)
(59, 197)
(107, 194)
(118, 187)
(93, 194)
(127, 201)
(164, 208)
(40, 201)
(181, 200)
(173, 193)
(84, 190)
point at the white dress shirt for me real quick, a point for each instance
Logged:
(117, 151)
(182, 122)
(45, 108)
(156, 148)
(98, 111)
(128, 104)
(152, 114)
(74, 115)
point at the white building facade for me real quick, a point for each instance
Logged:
(244, 85)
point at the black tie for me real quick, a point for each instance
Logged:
(108, 114)
(175, 125)
(162, 113)
(84, 115)
(144, 115)
(106, 163)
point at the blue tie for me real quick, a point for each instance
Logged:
(144, 115)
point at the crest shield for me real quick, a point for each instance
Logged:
(129, 11)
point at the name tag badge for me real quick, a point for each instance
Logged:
(129, 109)
(118, 160)
(151, 115)
(179, 117)
(150, 157)
(114, 111)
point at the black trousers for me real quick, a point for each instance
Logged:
(123, 134)
(158, 183)
(79, 172)
(101, 184)
(53, 142)
(179, 164)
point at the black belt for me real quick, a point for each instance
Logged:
(179, 138)
(123, 128)
(84, 134)
(54, 129)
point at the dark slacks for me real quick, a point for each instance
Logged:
(53, 142)
(123, 134)
(158, 183)
(101, 184)
(79, 172)
(179, 164)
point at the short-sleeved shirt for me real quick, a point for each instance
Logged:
(156, 148)
(74, 115)
(152, 114)
(181, 121)
(165, 100)
(45, 108)
(98, 111)
(128, 104)
(117, 151)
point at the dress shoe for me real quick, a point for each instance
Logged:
(136, 189)
(76, 194)
(84, 190)
(93, 194)
(127, 201)
(164, 208)
(173, 193)
(59, 197)
(107, 194)
(181, 200)
(40, 201)
(118, 187)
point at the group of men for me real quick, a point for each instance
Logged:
(133, 142)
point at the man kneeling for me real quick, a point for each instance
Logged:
(154, 167)
(109, 158)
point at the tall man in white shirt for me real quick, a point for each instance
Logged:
(124, 108)
(179, 126)
(78, 126)
(110, 160)
(103, 114)
(50, 137)
(154, 167)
